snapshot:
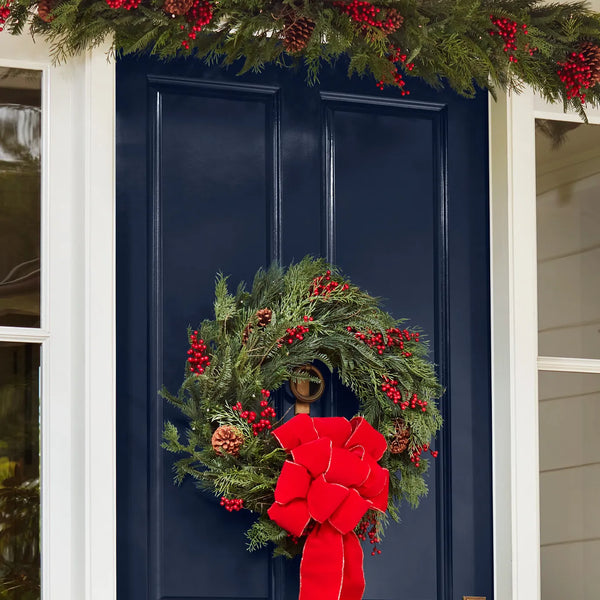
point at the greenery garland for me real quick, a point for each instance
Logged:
(255, 346)
(465, 43)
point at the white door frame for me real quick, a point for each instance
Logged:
(77, 332)
(515, 362)
(79, 454)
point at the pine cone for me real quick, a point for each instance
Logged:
(296, 34)
(177, 7)
(591, 55)
(227, 439)
(246, 333)
(399, 443)
(393, 21)
(264, 316)
(45, 8)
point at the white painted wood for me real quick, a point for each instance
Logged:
(571, 365)
(77, 389)
(514, 348)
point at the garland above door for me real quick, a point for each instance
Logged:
(555, 48)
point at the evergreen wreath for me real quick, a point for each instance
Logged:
(257, 343)
(553, 47)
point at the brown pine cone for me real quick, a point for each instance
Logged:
(264, 316)
(246, 333)
(227, 439)
(45, 8)
(591, 54)
(393, 21)
(296, 34)
(177, 7)
(399, 443)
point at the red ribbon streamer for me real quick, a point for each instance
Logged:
(331, 481)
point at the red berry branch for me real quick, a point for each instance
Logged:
(368, 15)
(232, 504)
(324, 285)
(198, 357)
(394, 337)
(293, 334)
(368, 528)
(250, 416)
(415, 454)
(198, 16)
(577, 75)
(4, 14)
(397, 57)
(390, 387)
(507, 30)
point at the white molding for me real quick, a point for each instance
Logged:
(100, 423)
(78, 350)
(569, 365)
(514, 348)
(22, 334)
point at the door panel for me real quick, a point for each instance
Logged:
(217, 172)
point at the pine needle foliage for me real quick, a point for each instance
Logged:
(447, 42)
(246, 359)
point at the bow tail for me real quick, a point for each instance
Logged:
(331, 566)
(353, 584)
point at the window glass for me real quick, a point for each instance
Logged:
(568, 238)
(20, 147)
(19, 471)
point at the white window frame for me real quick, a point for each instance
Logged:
(515, 361)
(77, 335)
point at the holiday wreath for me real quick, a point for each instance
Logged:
(554, 47)
(317, 484)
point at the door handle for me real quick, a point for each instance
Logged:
(301, 389)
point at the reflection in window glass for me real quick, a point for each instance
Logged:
(19, 472)
(569, 421)
(20, 145)
(568, 236)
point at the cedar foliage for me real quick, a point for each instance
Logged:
(238, 372)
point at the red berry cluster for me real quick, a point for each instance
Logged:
(368, 528)
(250, 415)
(4, 14)
(199, 16)
(507, 30)
(324, 285)
(576, 74)
(232, 504)
(415, 455)
(294, 333)
(198, 358)
(414, 402)
(126, 4)
(394, 337)
(366, 14)
(396, 56)
(389, 386)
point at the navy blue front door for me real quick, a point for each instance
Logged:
(218, 172)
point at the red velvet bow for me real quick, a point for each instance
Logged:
(333, 479)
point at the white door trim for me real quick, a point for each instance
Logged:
(78, 322)
(514, 348)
